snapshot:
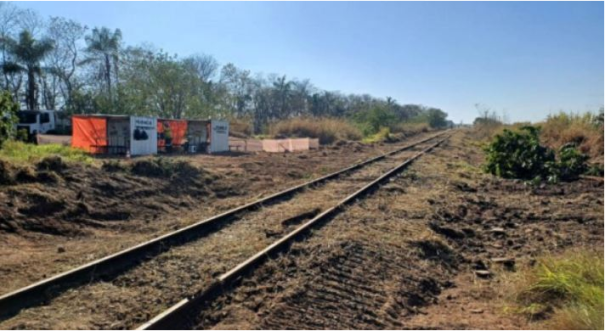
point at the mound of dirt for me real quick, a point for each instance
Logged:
(59, 198)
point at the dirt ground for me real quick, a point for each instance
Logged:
(138, 294)
(55, 216)
(429, 250)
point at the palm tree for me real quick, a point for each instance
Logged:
(103, 47)
(27, 53)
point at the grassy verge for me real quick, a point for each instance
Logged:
(562, 292)
(20, 152)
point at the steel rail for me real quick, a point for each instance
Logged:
(177, 316)
(12, 302)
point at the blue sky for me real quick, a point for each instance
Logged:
(526, 59)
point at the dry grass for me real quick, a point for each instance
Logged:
(584, 130)
(563, 292)
(410, 129)
(327, 130)
(239, 127)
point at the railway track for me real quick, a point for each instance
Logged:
(180, 315)
(112, 268)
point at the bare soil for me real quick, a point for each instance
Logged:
(423, 252)
(86, 212)
(137, 295)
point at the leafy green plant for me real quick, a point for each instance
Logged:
(571, 163)
(519, 154)
(8, 117)
(370, 122)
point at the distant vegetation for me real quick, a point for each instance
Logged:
(58, 63)
(565, 292)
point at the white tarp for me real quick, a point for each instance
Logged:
(219, 136)
(143, 135)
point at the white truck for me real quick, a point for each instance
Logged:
(37, 121)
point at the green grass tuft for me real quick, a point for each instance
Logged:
(567, 291)
(20, 152)
(384, 134)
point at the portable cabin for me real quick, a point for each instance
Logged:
(210, 136)
(171, 134)
(115, 134)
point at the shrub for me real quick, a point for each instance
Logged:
(567, 290)
(371, 121)
(8, 117)
(571, 163)
(327, 130)
(519, 154)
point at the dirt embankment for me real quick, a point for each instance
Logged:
(90, 211)
(54, 197)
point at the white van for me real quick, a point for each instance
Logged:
(37, 121)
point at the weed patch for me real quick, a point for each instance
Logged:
(565, 291)
(20, 152)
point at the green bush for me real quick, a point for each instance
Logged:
(372, 121)
(519, 154)
(571, 163)
(8, 117)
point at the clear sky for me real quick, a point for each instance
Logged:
(527, 59)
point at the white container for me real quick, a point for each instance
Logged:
(219, 136)
(143, 135)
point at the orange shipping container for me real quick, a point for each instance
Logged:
(89, 133)
(178, 129)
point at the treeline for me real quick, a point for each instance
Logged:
(61, 64)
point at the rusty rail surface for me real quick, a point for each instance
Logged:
(46, 289)
(179, 315)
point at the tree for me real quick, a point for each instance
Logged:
(63, 59)
(8, 116)
(436, 118)
(9, 16)
(103, 50)
(28, 53)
